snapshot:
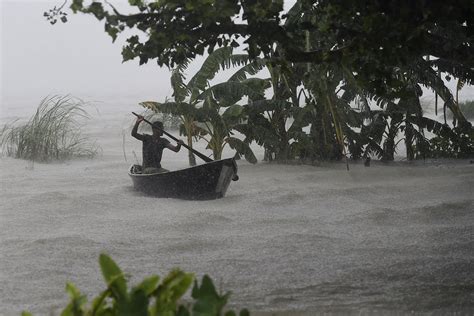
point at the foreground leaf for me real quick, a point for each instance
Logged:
(113, 276)
(208, 301)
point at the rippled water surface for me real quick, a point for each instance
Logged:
(295, 238)
(396, 237)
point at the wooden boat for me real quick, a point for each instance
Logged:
(202, 182)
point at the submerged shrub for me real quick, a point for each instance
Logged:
(52, 133)
(150, 297)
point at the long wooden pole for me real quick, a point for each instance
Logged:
(197, 153)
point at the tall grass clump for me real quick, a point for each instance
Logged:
(52, 133)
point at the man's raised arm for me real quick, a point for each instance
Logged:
(135, 128)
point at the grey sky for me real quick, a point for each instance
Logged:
(77, 57)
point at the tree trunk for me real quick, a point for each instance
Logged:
(191, 157)
(282, 154)
(409, 141)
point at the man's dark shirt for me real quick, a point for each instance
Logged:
(152, 150)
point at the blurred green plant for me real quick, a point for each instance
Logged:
(211, 111)
(52, 133)
(148, 298)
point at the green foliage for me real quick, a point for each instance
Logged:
(54, 132)
(268, 119)
(457, 144)
(209, 302)
(372, 38)
(334, 52)
(210, 112)
(149, 298)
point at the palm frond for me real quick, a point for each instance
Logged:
(250, 69)
(233, 112)
(294, 14)
(373, 148)
(235, 60)
(174, 108)
(180, 89)
(455, 69)
(209, 69)
(261, 106)
(232, 91)
(429, 78)
(431, 125)
(242, 148)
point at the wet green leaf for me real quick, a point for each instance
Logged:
(208, 301)
(113, 276)
(136, 305)
(76, 306)
(98, 303)
(148, 285)
(244, 312)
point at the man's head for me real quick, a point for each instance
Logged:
(157, 128)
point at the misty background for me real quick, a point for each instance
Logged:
(77, 58)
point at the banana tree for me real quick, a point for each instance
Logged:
(272, 122)
(221, 114)
(190, 98)
(326, 112)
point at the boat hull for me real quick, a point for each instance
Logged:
(201, 182)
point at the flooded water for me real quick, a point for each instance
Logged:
(291, 239)
(392, 237)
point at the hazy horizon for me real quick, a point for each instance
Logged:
(76, 57)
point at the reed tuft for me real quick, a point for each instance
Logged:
(52, 133)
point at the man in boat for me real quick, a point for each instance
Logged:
(153, 146)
